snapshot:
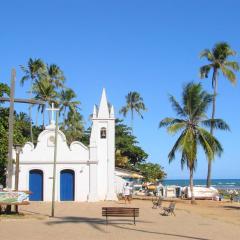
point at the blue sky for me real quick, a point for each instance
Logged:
(147, 46)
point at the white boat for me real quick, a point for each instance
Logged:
(201, 192)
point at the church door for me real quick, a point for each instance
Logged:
(67, 185)
(36, 185)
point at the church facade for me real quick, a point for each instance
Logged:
(83, 173)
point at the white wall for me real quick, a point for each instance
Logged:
(96, 162)
(81, 179)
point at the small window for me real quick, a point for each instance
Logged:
(103, 132)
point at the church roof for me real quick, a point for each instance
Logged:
(103, 111)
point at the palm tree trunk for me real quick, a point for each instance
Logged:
(30, 117)
(64, 114)
(132, 120)
(191, 186)
(43, 118)
(49, 117)
(37, 118)
(214, 84)
(30, 113)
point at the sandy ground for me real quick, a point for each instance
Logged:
(206, 220)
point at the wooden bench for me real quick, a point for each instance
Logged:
(169, 210)
(120, 212)
(12, 204)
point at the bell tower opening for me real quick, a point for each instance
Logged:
(103, 133)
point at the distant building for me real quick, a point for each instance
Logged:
(82, 173)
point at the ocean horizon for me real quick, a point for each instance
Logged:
(217, 183)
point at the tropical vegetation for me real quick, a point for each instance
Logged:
(131, 156)
(21, 131)
(152, 172)
(126, 145)
(134, 104)
(191, 126)
(48, 85)
(218, 58)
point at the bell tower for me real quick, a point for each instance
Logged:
(102, 142)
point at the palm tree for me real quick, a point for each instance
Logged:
(66, 101)
(134, 103)
(73, 126)
(46, 92)
(55, 75)
(46, 80)
(31, 73)
(191, 125)
(219, 63)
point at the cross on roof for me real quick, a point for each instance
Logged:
(52, 110)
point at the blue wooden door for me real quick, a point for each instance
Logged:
(36, 185)
(67, 185)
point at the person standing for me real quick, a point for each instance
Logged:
(127, 193)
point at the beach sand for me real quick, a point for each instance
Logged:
(206, 220)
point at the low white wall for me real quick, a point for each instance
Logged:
(81, 179)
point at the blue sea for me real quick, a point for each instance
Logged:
(226, 184)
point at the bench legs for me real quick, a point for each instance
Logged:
(8, 209)
(134, 220)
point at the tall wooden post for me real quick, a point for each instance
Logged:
(18, 150)
(54, 164)
(10, 131)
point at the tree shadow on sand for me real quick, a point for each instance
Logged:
(96, 223)
(232, 207)
(100, 224)
(162, 233)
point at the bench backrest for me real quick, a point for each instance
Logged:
(120, 212)
(172, 206)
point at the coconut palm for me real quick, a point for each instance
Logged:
(219, 62)
(191, 125)
(55, 75)
(67, 102)
(32, 71)
(73, 126)
(134, 103)
(35, 67)
(45, 91)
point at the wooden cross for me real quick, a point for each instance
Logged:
(11, 122)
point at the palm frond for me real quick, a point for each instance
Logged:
(206, 144)
(232, 64)
(209, 143)
(206, 53)
(175, 128)
(216, 124)
(222, 50)
(204, 70)
(192, 97)
(229, 74)
(24, 79)
(170, 121)
(176, 146)
(201, 108)
(177, 107)
(124, 111)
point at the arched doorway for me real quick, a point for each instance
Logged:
(67, 185)
(36, 185)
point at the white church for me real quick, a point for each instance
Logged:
(83, 173)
